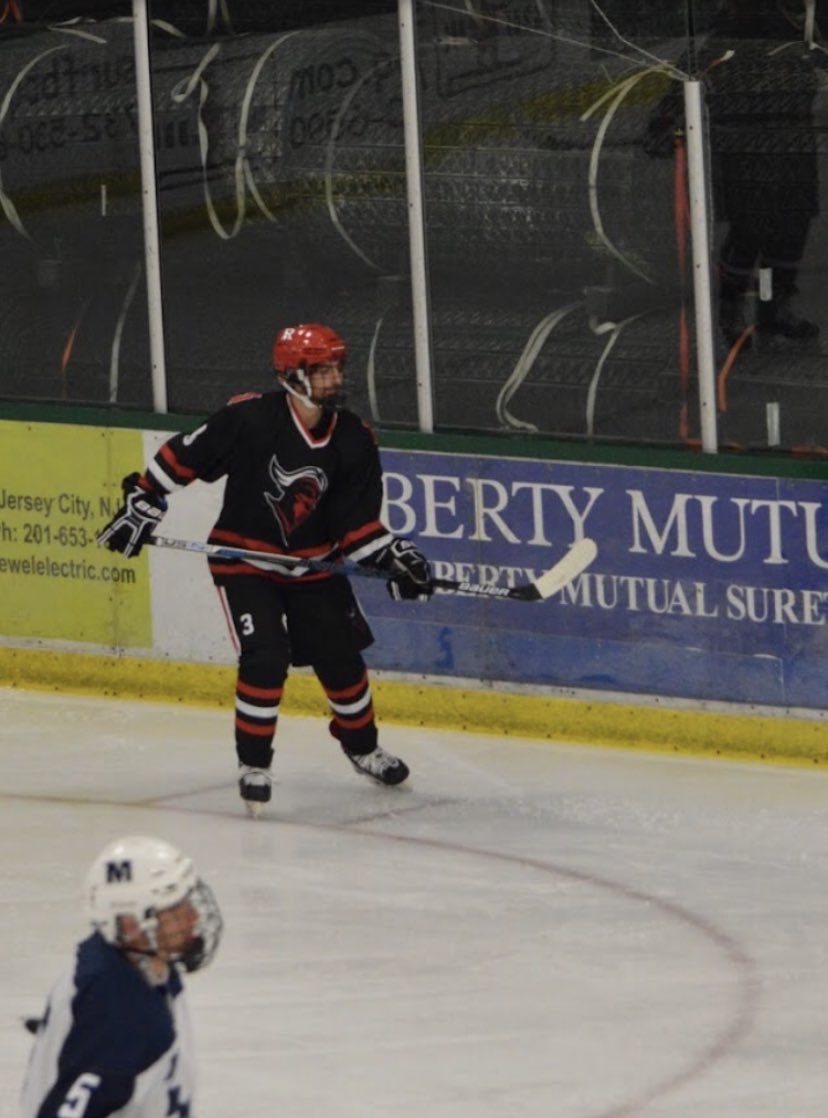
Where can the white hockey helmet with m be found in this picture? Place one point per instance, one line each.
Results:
(139, 877)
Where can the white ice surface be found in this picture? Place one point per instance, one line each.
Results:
(525, 930)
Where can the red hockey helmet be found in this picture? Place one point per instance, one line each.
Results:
(299, 348)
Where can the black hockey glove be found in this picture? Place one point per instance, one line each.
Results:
(136, 520)
(410, 573)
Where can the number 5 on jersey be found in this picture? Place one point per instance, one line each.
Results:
(78, 1095)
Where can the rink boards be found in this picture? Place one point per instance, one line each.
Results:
(708, 591)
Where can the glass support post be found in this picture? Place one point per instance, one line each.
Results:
(416, 216)
(149, 204)
(697, 168)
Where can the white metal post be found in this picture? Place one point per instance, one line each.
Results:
(416, 215)
(149, 199)
(701, 248)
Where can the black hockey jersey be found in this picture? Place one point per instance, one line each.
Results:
(313, 494)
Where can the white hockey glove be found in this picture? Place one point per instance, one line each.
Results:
(410, 573)
(136, 520)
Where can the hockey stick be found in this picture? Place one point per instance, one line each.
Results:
(576, 560)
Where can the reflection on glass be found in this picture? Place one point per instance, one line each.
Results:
(763, 68)
(761, 65)
(557, 281)
(282, 192)
(73, 323)
(556, 201)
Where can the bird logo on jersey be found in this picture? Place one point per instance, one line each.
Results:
(297, 493)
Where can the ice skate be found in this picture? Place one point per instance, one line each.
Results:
(254, 788)
(383, 767)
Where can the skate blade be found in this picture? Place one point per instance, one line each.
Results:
(254, 808)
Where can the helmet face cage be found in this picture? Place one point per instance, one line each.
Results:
(207, 933)
(299, 349)
(140, 877)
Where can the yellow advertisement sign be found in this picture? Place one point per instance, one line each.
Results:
(58, 487)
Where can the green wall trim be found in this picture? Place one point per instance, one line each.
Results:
(748, 463)
(759, 464)
(94, 416)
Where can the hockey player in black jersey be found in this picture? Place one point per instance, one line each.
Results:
(115, 1036)
(304, 480)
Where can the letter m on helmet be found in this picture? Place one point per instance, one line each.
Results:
(118, 871)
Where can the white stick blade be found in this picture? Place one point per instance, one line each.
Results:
(577, 559)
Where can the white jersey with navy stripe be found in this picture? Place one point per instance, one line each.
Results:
(111, 1044)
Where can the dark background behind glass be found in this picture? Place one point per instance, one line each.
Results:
(557, 236)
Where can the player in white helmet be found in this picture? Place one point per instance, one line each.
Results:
(115, 1035)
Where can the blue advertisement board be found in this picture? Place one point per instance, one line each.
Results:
(705, 586)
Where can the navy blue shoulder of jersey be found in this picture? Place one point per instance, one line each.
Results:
(120, 1021)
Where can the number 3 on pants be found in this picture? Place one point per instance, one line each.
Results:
(246, 621)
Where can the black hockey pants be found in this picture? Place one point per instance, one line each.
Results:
(274, 625)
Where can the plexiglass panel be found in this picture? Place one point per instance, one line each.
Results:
(556, 199)
(765, 71)
(282, 189)
(558, 241)
(73, 314)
